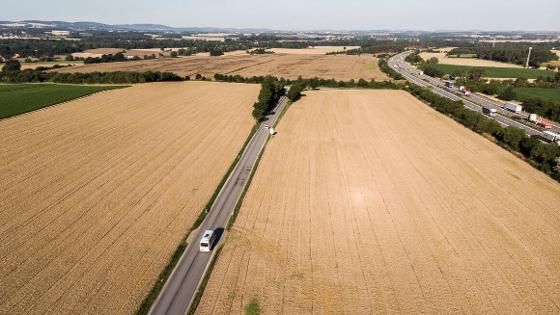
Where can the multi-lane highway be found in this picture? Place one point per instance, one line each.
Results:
(474, 102)
(180, 289)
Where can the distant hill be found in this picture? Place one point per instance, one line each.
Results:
(85, 25)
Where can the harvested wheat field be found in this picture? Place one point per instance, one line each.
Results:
(473, 62)
(315, 50)
(371, 202)
(290, 66)
(97, 193)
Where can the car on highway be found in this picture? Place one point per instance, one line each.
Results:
(207, 241)
(266, 126)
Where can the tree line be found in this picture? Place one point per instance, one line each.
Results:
(11, 73)
(271, 91)
(118, 57)
(543, 156)
(313, 83)
(384, 66)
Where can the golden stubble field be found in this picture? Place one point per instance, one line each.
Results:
(471, 62)
(97, 193)
(289, 66)
(315, 50)
(371, 202)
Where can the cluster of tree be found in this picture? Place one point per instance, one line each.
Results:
(516, 54)
(414, 58)
(507, 94)
(11, 66)
(384, 66)
(545, 157)
(216, 51)
(430, 70)
(296, 87)
(34, 76)
(259, 51)
(271, 91)
(118, 57)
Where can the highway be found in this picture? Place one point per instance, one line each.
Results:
(474, 102)
(180, 289)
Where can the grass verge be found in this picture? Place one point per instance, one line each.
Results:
(253, 308)
(551, 94)
(144, 308)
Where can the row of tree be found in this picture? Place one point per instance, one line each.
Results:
(545, 157)
(384, 66)
(118, 57)
(36, 76)
(313, 83)
(271, 91)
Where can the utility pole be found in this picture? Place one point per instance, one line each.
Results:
(528, 57)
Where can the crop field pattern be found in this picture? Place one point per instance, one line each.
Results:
(289, 66)
(97, 193)
(371, 202)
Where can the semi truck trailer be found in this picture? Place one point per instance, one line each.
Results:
(512, 107)
(540, 121)
(550, 136)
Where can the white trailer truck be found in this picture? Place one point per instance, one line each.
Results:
(516, 108)
(551, 137)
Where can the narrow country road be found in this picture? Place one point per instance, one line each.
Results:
(180, 289)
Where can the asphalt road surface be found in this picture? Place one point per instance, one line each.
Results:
(180, 289)
(473, 102)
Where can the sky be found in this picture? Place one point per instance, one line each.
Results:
(427, 15)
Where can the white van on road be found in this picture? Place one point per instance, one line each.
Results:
(207, 241)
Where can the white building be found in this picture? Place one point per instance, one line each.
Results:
(60, 33)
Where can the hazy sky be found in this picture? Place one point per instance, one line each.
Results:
(302, 14)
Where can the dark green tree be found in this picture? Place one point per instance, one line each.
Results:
(11, 66)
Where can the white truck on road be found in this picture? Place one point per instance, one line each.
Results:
(207, 241)
(550, 136)
(516, 108)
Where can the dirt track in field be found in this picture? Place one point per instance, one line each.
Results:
(290, 66)
(372, 202)
(97, 193)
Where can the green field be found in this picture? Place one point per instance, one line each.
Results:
(544, 93)
(492, 72)
(16, 99)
